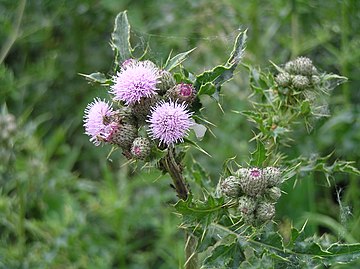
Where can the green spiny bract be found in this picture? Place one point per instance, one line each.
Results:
(123, 115)
(124, 136)
(142, 109)
(140, 148)
(230, 187)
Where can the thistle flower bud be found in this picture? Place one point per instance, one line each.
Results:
(166, 82)
(241, 172)
(265, 211)
(123, 135)
(230, 187)
(303, 66)
(283, 79)
(272, 175)
(290, 67)
(300, 82)
(247, 205)
(273, 193)
(253, 183)
(182, 93)
(140, 148)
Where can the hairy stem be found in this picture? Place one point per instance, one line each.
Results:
(175, 172)
(182, 190)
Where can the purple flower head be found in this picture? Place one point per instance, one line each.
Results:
(137, 79)
(96, 122)
(169, 122)
(255, 173)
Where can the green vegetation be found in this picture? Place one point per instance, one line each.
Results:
(64, 205)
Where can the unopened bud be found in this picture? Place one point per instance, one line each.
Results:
(247, 205)
(230, 187)
(289, 67)
(283, 79)
(273, 193)
(273, 176)
(124, 135)
(300, 82)
(265, 211)
(303, 66)
(182, 93)
(140, 148)
(166, 82)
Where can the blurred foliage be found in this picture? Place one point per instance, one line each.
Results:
(63, 205)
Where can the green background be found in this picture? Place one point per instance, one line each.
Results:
(64, 205)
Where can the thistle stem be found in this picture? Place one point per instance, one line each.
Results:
(182, 190)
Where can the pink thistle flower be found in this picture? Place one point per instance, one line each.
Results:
(137, 79)
(169, 122)
(96, 122)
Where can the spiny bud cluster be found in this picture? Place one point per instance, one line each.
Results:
(256, 191)
(146, 97)
(299, 74)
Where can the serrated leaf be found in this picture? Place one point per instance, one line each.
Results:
(177, 60)
(210, 75)
(225, 255)
(342, 253)
(208, 88)
(96, 78)
(204, 212)
(121, 37)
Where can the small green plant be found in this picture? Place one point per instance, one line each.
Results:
(155, 116)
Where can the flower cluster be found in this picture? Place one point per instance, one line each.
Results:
(298, 75)
(256, 191)
(146, 97)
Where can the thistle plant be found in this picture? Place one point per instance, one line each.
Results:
(153, 108)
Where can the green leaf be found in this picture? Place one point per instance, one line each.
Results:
(210, 75)
(177, 60)
(203, 212)
(259, 155)
(342, 253)
(227, 254)
(208, 88)
(121, 38)
(305, 107)
(96, 78)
